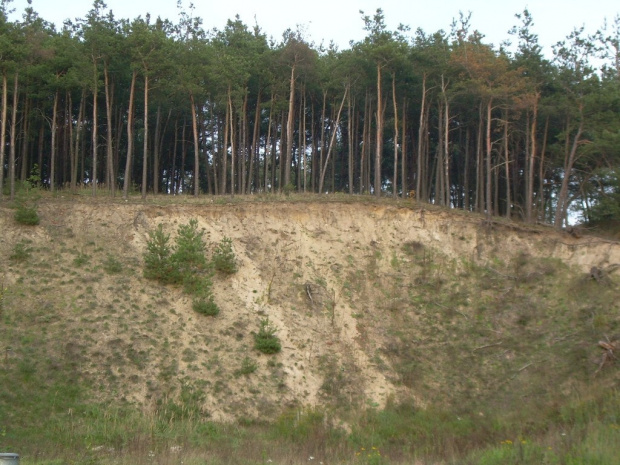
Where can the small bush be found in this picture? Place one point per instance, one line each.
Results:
(27, 215)
(206, 307)
(265, 340)
(224, 259)
(248, 366)
(157, 259)
(112, 265)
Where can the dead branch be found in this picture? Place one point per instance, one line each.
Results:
(487, 346)
(608, 353)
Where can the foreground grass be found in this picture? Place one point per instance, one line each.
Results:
(585, 432)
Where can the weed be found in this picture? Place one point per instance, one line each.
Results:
(21, 252)
(112, 266)
(81, 259)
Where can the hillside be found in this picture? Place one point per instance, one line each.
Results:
(376, 304)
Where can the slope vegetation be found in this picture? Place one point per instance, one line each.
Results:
(379, 307)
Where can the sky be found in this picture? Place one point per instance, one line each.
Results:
(323, 21)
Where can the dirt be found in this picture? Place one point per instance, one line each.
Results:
(316, 270)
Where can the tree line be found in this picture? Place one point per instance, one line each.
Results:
(155, 106)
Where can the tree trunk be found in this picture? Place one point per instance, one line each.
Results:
(183, 157)
(420, 173)
(302, 141)
(78, 139)
(254, 162)
(95, 136)
(395, 178)
(224, 153)
(232, 143)
(466, 200)
(196, 147)
(130, 118)
(379, 141)
(479, 201)
(350, 144)
(569, 162)
(110, 177)
(5, 92)
(530, 162)
(289, 128)
(25, 140)
(446, 144)
(541, 174)
(331, 142)
(489, 147)
(507, 168)
(322, 143)
(12, 147)
(244, 144)
(53, 143)
(403, 150)
(156, 151)
(266, 170)
(145, 150)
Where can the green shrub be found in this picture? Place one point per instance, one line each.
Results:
(27, 215)
(265, 340)
(205, 307)
(157, 259)
(189, 250)
(224, 259)
(27, 196)
(184, 264)
(248, 366)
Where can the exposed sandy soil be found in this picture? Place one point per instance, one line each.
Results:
(307, 266)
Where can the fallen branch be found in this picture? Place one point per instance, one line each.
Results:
(608, 354)
(487, 346)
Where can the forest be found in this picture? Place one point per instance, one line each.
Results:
(150, 106)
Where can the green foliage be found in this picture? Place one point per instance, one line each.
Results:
(607, 206)
(265, 340)
(21, 252)
(205, 307)
(157, 259)
(289, 189)
(27, 215)
(189, 252)
(26, 199)
(81, 259)
(248, 366)
(184, 264)
(224, 259)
